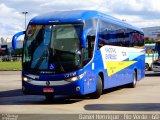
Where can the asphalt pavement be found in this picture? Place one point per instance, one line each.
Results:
(144, 99)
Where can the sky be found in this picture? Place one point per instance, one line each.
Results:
(140, 13)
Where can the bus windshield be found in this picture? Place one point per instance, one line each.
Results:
(149, 48)
(52, 48)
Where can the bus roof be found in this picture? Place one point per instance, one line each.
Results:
(77, 16)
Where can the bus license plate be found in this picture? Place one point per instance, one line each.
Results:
(48, 90)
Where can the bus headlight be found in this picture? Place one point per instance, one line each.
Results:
(26, 79)
(76, 77)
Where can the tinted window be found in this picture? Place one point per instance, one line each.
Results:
(113, 34)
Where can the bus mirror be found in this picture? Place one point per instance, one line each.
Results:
(84, 37)
(14, 39)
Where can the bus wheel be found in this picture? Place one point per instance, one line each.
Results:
(133, 84)
(98, 91)
(49, 97)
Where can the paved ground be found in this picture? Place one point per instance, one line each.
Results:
(145, 98)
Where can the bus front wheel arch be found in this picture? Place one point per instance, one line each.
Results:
(99, 88)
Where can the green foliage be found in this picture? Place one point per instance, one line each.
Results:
(17, 52)
(11, 65)
(149, 41)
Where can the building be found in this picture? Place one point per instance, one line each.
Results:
(152, 32)
(6, 47)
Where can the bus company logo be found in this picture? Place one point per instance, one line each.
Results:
(52, 66)
(110, 50)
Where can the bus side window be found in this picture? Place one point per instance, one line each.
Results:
(88, 51)
(91, 40)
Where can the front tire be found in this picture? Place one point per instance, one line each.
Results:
(99, 89)
(133, 84)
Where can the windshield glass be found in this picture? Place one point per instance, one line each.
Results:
(52, 48)
(149, 48)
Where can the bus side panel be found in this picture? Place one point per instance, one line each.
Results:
(125, 76)
(120, 78)
(138, 55)
(120, 64)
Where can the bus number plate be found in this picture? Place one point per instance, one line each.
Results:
(48, 90)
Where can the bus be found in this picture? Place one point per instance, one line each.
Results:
(80, 52)
(156, 62)
(149, 56)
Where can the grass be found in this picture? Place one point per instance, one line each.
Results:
(11, 65)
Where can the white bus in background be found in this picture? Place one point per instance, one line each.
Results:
(149, 56)
(156, 62)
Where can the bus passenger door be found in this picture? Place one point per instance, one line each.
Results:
(89, 82)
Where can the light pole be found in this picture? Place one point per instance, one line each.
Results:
(25, 13)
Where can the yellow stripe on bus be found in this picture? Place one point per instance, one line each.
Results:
(114, 67)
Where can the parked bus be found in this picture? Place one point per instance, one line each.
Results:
(149, 56)
(80, 52)
(156, 62)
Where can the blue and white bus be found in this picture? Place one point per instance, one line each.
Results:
(80, 52)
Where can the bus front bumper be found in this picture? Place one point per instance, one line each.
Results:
(72, 88)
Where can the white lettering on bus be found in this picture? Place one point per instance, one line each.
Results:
(110, 50)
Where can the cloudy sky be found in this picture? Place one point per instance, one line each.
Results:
(141, 13)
